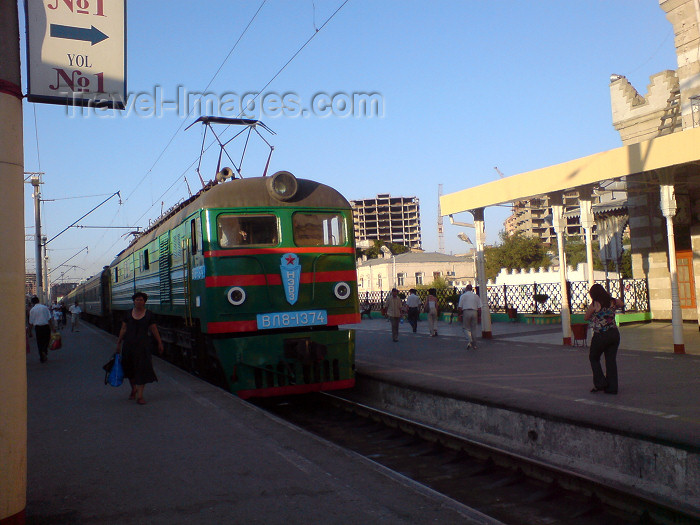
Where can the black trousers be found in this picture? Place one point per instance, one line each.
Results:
(413, 314)
(43, 336)
(605, 343)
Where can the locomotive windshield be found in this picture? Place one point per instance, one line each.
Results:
(318, 229)
(244, 230)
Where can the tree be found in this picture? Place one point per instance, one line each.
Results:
(575, 248)
(439, 283)
(626, 259)
(515, 251)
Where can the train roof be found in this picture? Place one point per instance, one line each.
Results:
(241, 193)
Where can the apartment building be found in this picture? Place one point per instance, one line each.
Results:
(387, 218)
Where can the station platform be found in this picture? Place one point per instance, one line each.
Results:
(192, 454)
(528, 390)
(527, 366)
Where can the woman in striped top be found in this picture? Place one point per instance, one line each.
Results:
(606, 338)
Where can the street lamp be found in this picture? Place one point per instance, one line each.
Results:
(464, 237)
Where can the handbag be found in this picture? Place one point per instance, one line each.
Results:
(55, 341)
(114, 373)
(108, 368)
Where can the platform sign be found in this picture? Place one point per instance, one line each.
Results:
(76, 52)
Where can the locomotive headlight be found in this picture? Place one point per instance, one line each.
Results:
(282, 185)
(236, 296)
(342, 290)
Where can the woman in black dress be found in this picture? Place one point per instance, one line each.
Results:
(136, 351)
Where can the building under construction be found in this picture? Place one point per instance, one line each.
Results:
(387, 218)
(533, 217)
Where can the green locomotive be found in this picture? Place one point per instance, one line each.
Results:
(250, 280)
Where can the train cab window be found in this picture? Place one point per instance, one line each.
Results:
(246, 230)
(318, 229)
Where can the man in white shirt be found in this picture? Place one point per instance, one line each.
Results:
(469, 304)
(40, 319)
(414, 303)
(75, 311)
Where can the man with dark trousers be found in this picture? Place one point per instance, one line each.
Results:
(40, 319)
(414, 303)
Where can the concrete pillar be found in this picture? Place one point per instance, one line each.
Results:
(668, 208)
(481, 272)
(13, 366)
(587, 222)
(559, 223)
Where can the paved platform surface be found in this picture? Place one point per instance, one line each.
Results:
(526, 367)
(194, 454)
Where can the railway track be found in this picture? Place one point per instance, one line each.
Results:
(509, 488)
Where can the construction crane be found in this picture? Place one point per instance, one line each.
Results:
(440, 225)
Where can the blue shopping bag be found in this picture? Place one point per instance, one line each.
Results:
(116, 374)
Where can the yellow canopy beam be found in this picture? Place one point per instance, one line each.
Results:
(662, 152)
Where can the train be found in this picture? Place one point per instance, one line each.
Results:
(250, 281)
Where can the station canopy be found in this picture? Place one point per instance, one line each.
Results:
(671, 155)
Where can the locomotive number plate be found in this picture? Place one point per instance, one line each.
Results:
(292, 319)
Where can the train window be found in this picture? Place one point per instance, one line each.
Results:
(146, 262)
(318, 229)
(193, 235)
(246, 230)
(116, 274)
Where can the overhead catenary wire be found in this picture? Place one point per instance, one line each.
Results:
(272, 79)
(184, 172)
(77, 197)
(661, 45)
(317, 30)
(160, 155)
(294, 56)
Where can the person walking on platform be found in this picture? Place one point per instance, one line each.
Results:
(469, 305)
(136, 348)
(75, 311)
(392, 306)
(40, 318)
(414, 303)
(64, 314)
(606, 338)
(56, 314)
(431, 307)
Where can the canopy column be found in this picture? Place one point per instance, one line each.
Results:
(559, 223)
(587, 221)
(668, 208)
(481, 272)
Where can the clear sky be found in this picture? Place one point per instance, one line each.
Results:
(464, 86)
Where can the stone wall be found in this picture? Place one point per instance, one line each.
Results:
(637, 118)
(685, 17)
(548, 275)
